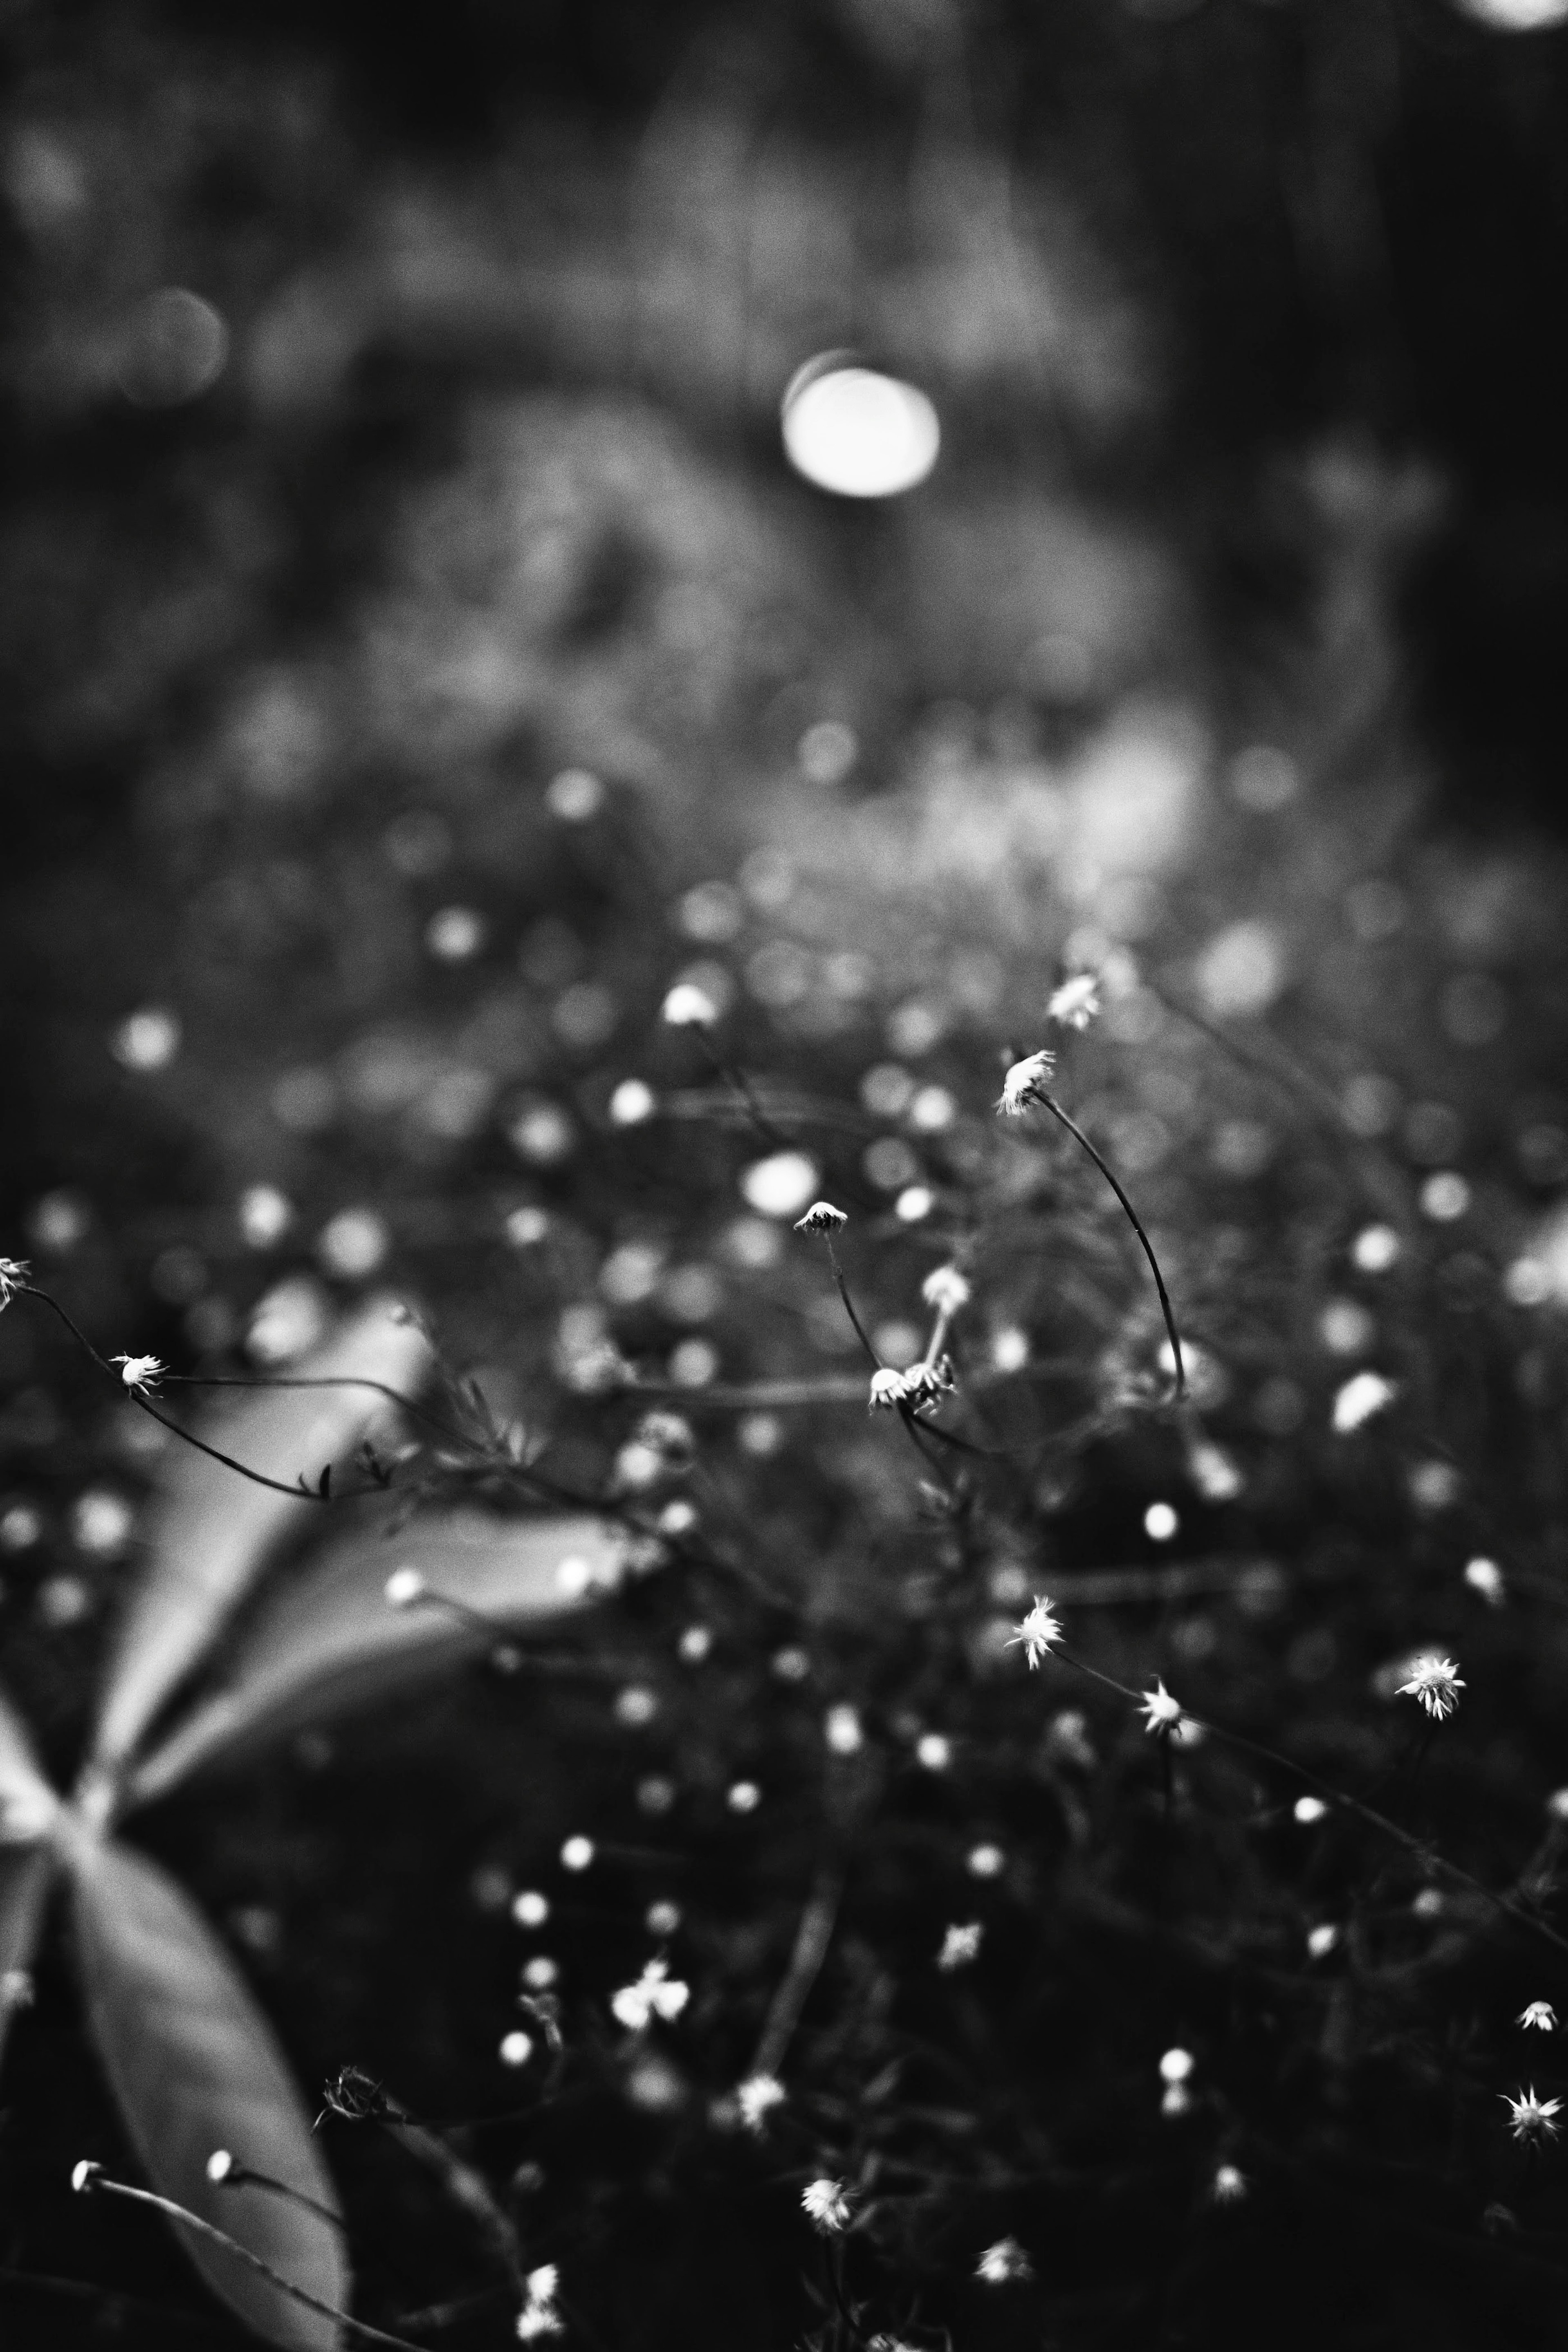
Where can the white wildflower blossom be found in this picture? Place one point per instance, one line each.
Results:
(84, 2174)
(1435, 1683)
(1025, 1083)
(1539, 2013)
(946, 1289)
(539, 2315)
(14, 1272)
(1322, 1940)
(1076, 1002)
(1037, 1632)
(1485, 1576)
(1161, 1712)
(842, 1730)
(827, 2206)
(1229, 2185)
(960, 1945)
(141, 1374)
(655, 1994)
(928, 1383)
(1532, 2118)
(220, 2164)
(1001, 2265)
(888, 1390)
(402, 1588)
(755, 2098)
(687, 1006)
(1363, 1396)
(821, 1217)
(1176, 2065)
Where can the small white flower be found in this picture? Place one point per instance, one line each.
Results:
(577, 1853)
(1532, 2118)
(843, 1732)
(1161, 1712)
(1076, 1002)
(402, 1588)
(687, 1006)
(220, 2164)
(1540, 2013)
(1176, 2065)
(1001, 2265)
(821, 1217)
(516, 2048)
(1038, 1632)
(926, 1383)
(14, 1272)
(934, 1750)
(1435, 1683)
(960, 1945)
(1308, 1810)
(1485, 1576)
(946, 1289)
(1025, 1083)
(1322, 1940)
(1363, 1396)
(888, 1390)
(827, 2206)
(1229, 2185)
(755, 2098)
(539, 2315)
(141, 1374)
(655, 1994)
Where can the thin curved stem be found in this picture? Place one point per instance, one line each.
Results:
(1054, 1107)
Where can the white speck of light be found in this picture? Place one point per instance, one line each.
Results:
(849, 428)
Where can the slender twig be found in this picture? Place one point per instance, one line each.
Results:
(100, 2182)
(812, 1940)
(1054, 1107)
(860, 1329)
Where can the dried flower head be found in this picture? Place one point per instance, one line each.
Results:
(946, 1289)
(827, 2206)
(1530, 2117)
(1539, 2013)
(1038, 1632)
(1435, 1683)
(1003, 2264)
(926, 1384)
(1025, 1083)
(821, 1217)
(14, 1272)
(1161, 1712)
(1076, 1002)
(141, 1374)
(757, 2098)
(888, 1390)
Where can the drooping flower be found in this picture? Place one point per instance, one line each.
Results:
(1038, 1632)
(1025, 1083)
(1435, 1683)
(1539, 2013)
(1530, 2117)
(888, 1390)
(827, 2206)
(821, 1217)
(757, 2098)
(1004, 2263)
(1076, 1002)
(141, 1374)
(1161, 1712)
(655, 1994)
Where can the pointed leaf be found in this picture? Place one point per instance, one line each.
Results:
(328, 1639)
(212, 1532)
(25, 1872)
(195, 2068)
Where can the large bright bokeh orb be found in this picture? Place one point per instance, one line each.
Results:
(1517, 16)
(851, 429)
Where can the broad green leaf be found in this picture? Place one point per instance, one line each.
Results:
(213, 1531)
(195, 2068)
(328, 1639)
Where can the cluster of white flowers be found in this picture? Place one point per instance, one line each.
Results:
(539, 2315)
(655, 1994)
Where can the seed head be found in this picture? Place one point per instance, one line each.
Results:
(1025, 1083)
(1038, 1632)
(654, 1994)
(1435, 1683)
(821, 1217)
(926, 1384)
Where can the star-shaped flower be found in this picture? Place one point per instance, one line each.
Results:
(1161, 1712)
(1025, 1083)
(1038, 1632)
(1532, 2118)
(141, 1374)
(1435, 1683)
